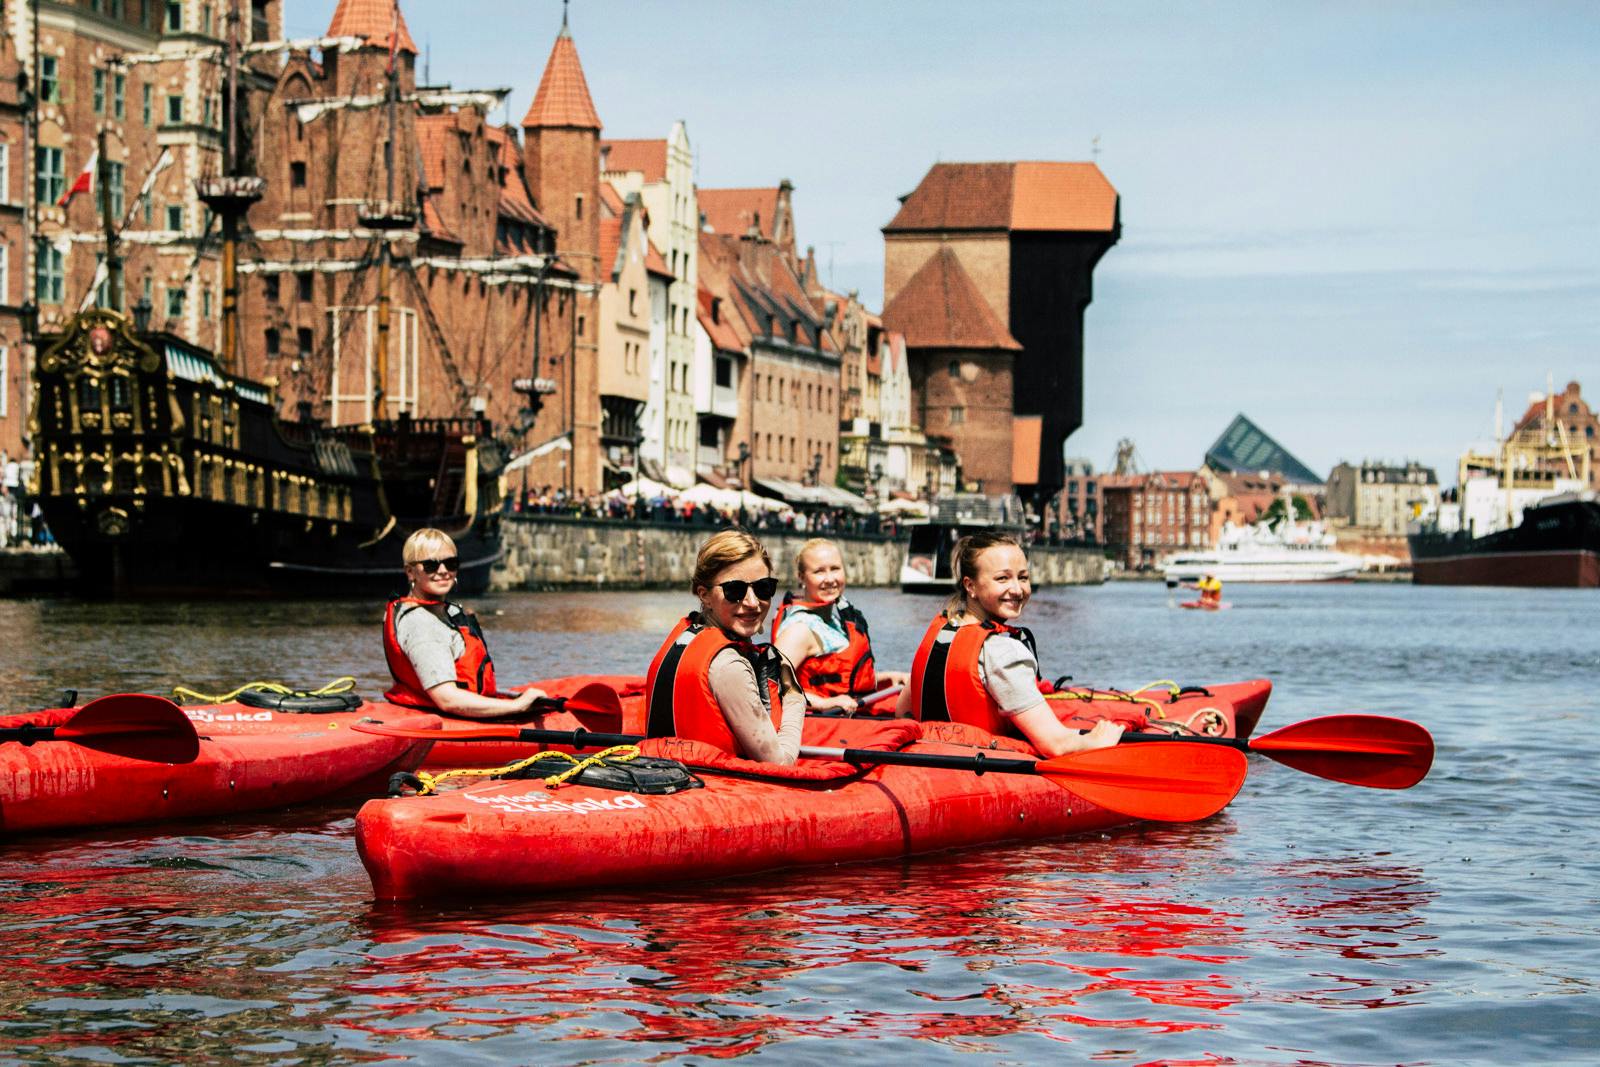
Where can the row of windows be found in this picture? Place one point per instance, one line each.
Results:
(817, 398)
(782, 450)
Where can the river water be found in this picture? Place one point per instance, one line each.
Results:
(1310, 922)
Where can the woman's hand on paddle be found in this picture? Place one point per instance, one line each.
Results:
(1103, 735)
(525, 699)
(842, 702)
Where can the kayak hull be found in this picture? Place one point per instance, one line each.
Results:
(521, 837)
(249, 760)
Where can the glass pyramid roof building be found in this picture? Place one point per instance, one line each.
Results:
(1245, 448)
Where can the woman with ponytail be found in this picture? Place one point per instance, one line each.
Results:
(976, 666)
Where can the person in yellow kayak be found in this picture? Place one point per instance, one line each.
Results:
(976, 666)
(435, 648)
(825, 636)
(711, 681)
(1210, 591)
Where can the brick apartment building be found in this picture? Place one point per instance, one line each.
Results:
(1150, 516)
(14, 392)
(789, 401)
(1080, 509)
(1574, 422)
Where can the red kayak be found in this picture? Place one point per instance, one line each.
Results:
(1205, 605)
(231, 759)
(710, 815)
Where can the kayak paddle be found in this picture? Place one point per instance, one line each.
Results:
(596, 697)
(135, 725)
(1375, 751)
(879, 696)
(1174, 783)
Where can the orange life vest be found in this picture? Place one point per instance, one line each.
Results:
(474, 668)
(946, 684)
(679, 701)
(849, 670)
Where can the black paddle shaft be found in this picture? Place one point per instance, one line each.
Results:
(27, 733)
(1226, 742)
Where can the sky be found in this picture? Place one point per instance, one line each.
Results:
(1356, 223)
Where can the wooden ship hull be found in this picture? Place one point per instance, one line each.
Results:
(160, 474)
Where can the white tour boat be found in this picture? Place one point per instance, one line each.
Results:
(1293, 552)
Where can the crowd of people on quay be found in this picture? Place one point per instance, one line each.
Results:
(21, 521)
(769, 516)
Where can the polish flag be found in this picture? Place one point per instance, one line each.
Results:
(84, 182)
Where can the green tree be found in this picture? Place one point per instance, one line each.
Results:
(1274, 513)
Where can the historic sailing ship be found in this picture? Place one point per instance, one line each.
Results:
(160, 469)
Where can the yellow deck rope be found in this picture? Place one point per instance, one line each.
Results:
(338, 685)
(621, 753)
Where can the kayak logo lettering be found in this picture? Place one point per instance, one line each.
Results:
(539, 804)
(207, 715)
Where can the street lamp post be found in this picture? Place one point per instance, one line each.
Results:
(744, 481)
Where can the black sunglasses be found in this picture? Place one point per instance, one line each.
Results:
(736, 589)
(430, 566)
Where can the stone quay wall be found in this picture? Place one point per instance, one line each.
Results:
(546, 552)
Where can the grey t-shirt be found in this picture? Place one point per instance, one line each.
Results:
(1010, 672)
(430, 644)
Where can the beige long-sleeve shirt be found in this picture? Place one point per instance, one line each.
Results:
(733, 681)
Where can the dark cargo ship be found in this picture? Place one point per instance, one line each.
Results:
(1556, 544)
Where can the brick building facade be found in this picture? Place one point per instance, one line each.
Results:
(1568, 418)
(1150, 516)
(14, 391)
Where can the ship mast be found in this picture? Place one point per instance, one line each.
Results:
(230, 196)
(389, 215)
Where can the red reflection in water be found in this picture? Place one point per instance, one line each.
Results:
(1074, 942)
(734, 969)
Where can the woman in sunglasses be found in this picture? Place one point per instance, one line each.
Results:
(435, 648)
(711, 682)
(825, 636)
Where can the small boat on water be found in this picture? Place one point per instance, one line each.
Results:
(925, 567)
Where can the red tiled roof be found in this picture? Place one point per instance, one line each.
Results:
(1051, 197)
(610, 198)
(653, 261)
(610, 242)
(733, 211)
(940, 307)
(432, 137)
(722, 333)
(515, 201)
(647, 157)
(563, 95)
(372, 19)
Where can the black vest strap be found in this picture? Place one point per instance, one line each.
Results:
(935, 703)
(661, 722)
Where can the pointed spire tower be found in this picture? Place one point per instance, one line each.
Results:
(372, 20)
(561, 151)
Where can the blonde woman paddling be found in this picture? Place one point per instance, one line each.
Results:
(434, 647)
(710, 681)
(975, 666)
(825, 636)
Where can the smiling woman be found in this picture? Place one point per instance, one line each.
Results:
(710, 682)
(975, 666)
(435, 648)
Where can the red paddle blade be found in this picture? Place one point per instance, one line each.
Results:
(1176, 782)
(136, 725)
(466, 733)
(1371, 750)
(597, 698)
